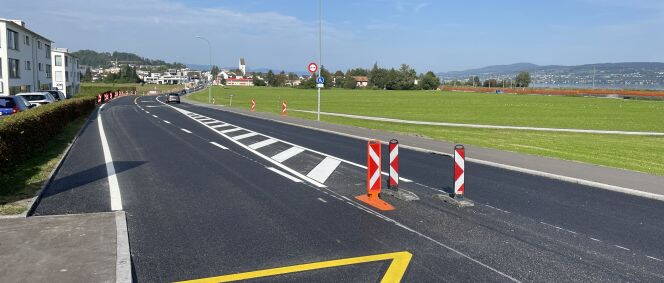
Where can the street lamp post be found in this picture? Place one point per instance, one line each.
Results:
(210, 52)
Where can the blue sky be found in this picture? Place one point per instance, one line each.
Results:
(427, 34)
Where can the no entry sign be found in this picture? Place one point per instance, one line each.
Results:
(312, 67)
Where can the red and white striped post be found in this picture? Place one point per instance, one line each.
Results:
(98, 98)
(253, 105)
(459, 169)
(374, 176)
(394, 165)
(284, 108)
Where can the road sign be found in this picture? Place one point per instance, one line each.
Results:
(253, 105)
(320, 80)
(459, 168)
(320, 85)
(312, 67)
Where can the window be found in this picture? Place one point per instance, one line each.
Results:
(39, 44)
(58, 76)
(0, 71)
(58, 60)
(40, 66)
(14, 69)
(48, 71)
(48, 51)
(12, 39)
(66, 75)
(28, 66)
(66, 61)
(27, 40)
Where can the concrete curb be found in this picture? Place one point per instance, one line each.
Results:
(594, 184)
(123, 256)
(35, 200)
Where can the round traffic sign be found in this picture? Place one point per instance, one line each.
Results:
(320, 80)
(313, 67)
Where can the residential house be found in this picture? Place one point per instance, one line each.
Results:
(25, 59)
(361, 81)
(66, 74)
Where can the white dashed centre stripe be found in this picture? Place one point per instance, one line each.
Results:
(186, 131)
(324, 169)
(263, 143)
(218, 145)
(287, 154)
(247, 135)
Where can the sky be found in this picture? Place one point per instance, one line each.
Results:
(426, 34)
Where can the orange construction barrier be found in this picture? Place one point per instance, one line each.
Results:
(374, 178)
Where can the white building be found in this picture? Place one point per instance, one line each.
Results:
(66, 76)
(243, 67)
(25, 59)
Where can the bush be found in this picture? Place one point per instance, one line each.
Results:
(26, 133)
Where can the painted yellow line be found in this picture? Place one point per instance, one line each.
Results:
(394, 273)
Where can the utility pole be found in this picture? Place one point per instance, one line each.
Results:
(594, 72)
(320, 49)
(210, 53)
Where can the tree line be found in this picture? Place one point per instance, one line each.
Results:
(523, 79)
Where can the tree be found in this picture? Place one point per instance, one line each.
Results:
(214, 71)
(270, 79)
(429, 81)
(378, 77)
(523, 79)
(490, 83)
(87, 77)
(349, 82)
(258, 81)
(476, 81)
(327, 76)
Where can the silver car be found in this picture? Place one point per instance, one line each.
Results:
(173, 97)
(37, 98)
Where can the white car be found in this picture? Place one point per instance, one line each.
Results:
(37, 98)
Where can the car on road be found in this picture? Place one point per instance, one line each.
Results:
(173, 97)
(58, 95)
(13, 104)
(37, 98)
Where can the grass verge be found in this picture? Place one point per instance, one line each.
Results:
(25, 180)
(638, 153)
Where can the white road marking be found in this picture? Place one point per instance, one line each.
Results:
(596, 240)
(657, 259)
(220, 126)
(559, 228)
(218, 145)
(247, 135)
(155, 116)
(213, 122)
(321, 199)
(167, 122)
(151, 106)
(621, 247)
(505, 211)
(113, 186)
(284, 174)
(324, 169)
(230, 130)
(205, 119)
(263, 143)
(286, 154)
(186, 131)
(147, 112)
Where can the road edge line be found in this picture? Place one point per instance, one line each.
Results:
(37, 198)
(113, 186)
(122, 254)
(633, 192)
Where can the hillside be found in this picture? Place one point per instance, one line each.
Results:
(103, 59)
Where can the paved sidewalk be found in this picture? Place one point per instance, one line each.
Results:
(636, 183)
(71, 248)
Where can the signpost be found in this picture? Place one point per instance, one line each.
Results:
(320, 82)
(312, 68)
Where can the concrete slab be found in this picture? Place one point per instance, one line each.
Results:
(68, 248)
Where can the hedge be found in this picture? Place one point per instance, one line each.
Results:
(26, 133)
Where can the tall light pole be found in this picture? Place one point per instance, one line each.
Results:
(210, 50)
(320, 48)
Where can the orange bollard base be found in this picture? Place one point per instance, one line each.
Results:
(375, 202)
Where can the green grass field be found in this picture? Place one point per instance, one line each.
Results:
(645, 154)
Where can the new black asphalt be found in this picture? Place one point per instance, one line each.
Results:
(195, 210)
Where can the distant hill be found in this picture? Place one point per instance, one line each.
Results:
(627, 74)
(104, 59)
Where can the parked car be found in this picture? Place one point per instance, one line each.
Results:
(58, 95)
(173, 97)
(38, 98)
(13, 104)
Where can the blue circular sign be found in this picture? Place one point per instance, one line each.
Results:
(320, 80)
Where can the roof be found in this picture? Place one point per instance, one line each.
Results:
(361, 78)
(21, 24)
(240, 80)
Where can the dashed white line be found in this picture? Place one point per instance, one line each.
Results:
(167, 122)
(284, 174)
(559, 228)
(596, 240)
(186, 131)
(155, 116)
(113, 186)
(324, 169)
(247, 135)
(621, 247)
(657, 259)
(501, 210)
(263, 143)
(321, 199)
(218, 145)
(287, 154)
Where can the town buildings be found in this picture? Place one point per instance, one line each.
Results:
(25, 59)
(66, 75)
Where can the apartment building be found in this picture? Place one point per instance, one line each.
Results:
(66, 74)
(25, 59)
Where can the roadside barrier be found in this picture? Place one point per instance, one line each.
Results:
(99, 98)
(284, 108)
(459, 168)
(374, 178)
(393, 182)
(253, 105)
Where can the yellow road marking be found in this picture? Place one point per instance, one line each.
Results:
(394, 273)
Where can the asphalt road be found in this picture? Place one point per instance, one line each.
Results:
(210, 193)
